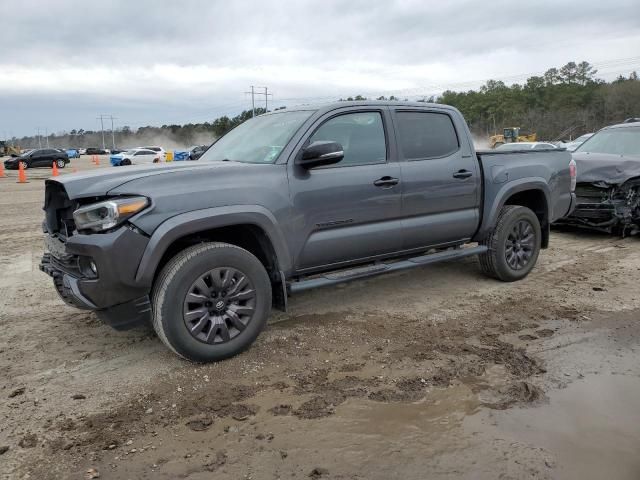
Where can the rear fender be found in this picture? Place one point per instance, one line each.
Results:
(492, 209)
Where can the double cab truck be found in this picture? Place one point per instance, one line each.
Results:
(288, 201)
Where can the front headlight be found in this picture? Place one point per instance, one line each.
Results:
(105, 215)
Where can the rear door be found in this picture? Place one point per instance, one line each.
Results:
(349, 211)
(144, 156)
(441, 178)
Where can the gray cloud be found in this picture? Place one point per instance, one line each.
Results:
(172, 61)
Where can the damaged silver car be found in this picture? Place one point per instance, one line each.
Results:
(608, 181)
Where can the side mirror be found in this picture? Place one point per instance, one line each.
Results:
(320, 153)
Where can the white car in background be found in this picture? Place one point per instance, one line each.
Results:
(160, 150)
(135, 156)
(510, 147)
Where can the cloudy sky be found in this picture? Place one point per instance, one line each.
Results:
(64, 62)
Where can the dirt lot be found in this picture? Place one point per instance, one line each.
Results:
(434, 373)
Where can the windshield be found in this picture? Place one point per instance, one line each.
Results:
(615, 141)
(583, 138)
(258, 140)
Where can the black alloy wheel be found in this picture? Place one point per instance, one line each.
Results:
(219, 305)
(520, 245)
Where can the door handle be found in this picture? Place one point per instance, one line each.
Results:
(386, 181)
(462, 174)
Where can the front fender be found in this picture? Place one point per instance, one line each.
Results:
(206, 219)
(501, 193)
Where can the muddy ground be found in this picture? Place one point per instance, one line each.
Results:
(434, 373)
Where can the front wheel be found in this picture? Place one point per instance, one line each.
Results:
(24, 164)
(514, 244)
(211, 301)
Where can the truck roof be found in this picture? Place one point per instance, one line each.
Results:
(363, 103)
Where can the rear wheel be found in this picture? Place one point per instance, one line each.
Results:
(61, 163)
(514, 244)
(211, 301)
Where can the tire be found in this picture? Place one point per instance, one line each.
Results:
(503, 243)
(172, 313)
(61, 163)
(125, 162)
(25, 165)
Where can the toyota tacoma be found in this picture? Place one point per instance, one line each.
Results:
(288, 201)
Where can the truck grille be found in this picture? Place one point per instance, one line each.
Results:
(58, 210)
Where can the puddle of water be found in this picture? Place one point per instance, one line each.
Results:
(592, 427)
(441, 410)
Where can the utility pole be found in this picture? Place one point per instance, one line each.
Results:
(101, 118)
(38, 135)
(46, 135)
(253, 99)
(113, 135)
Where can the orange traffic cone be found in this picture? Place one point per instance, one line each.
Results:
(75, 170)
(97, 160)
(22, 177)
(2, 175)
(55, 172)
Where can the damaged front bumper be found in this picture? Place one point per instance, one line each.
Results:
(607, 208)
(110, 290)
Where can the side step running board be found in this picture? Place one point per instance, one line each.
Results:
(334, 278)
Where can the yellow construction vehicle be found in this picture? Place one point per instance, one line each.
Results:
(6, 149)
(511, 135)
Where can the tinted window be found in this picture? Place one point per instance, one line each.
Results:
(360, 134)
(426, 135)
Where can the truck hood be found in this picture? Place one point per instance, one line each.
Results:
(600, 168)
(99, 183)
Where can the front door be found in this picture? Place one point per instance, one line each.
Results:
(351, 210)
(441, 178)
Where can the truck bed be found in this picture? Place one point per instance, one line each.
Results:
(546, 169)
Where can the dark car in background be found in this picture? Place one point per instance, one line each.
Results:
(608, 181)
(41, 157)
(95, 151)
(196, 152)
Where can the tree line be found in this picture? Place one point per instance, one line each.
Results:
(559, 105)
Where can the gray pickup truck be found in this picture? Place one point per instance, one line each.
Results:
(293, 200)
